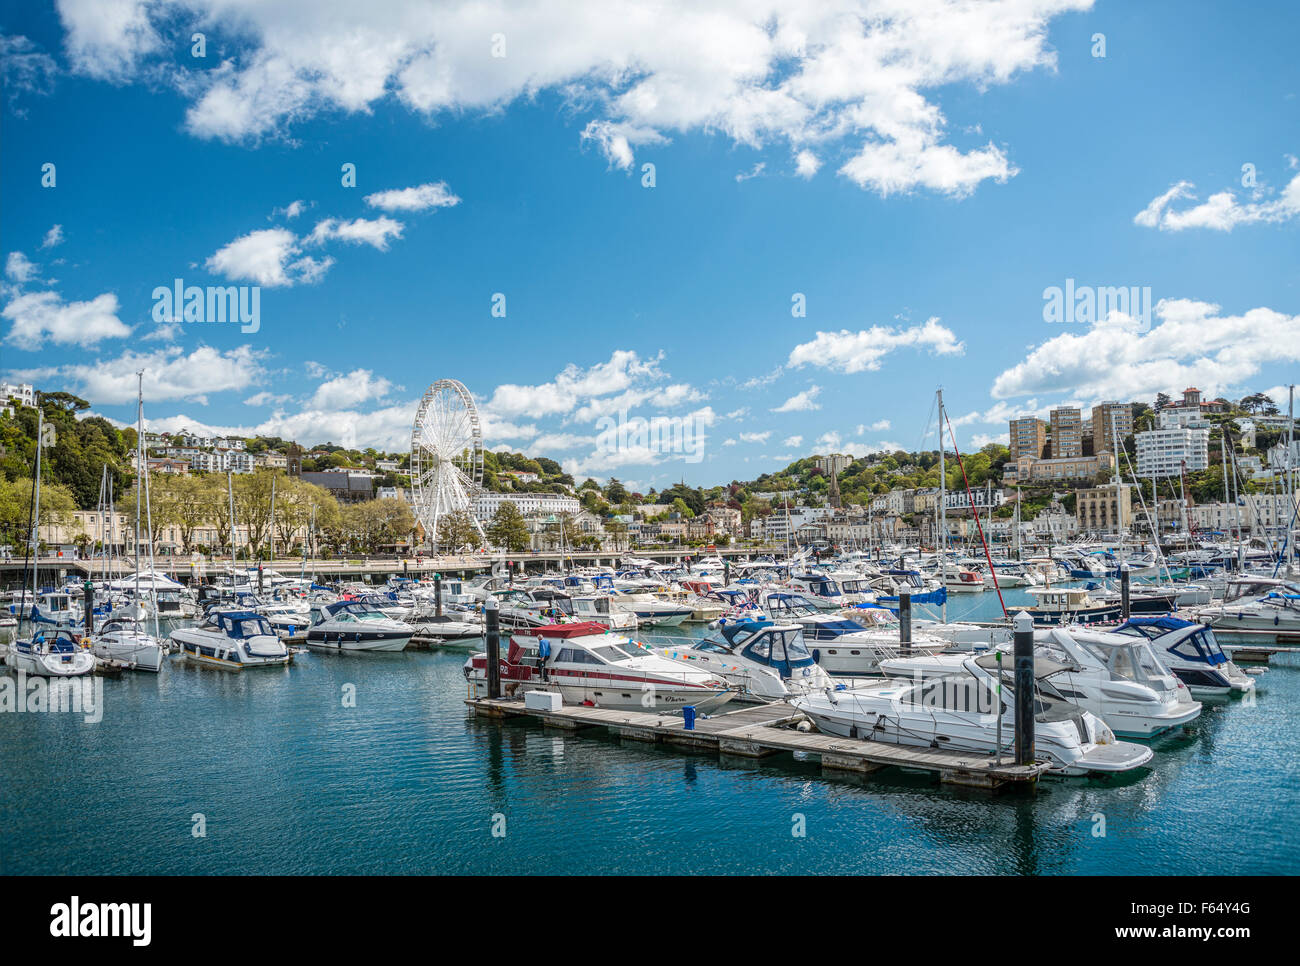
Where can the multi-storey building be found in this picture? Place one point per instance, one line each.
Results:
(1067, 432)
(487, 504)
(833, 465)
(1112, 423)
(1101, 509)
(1028, 437)
(1167, 452)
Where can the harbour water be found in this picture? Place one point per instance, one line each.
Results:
(284, 774)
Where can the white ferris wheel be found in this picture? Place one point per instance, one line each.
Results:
(446, 457)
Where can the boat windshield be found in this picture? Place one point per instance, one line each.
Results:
(610, 654)
(1201, 645)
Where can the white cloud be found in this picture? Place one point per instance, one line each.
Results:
(420, 198)
(292, 210)
(880, 424)
(792, 441)
(1219, 212)
(806, 163)
(860, 77)
(268, 257)
(755, 437)
(53, 237)
(801, 402)
(583, 392)
(41, 316)
(1193, 344)
(980, 440)
(20, 268)
(350, 390)
(375, 232)
(24, 69)
(267, 398)
(753, 172)
(850, 352)
(169, 373)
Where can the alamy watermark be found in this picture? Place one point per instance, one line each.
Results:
(34, 694)
(1086, 304)
(214, 303)
(658, 436)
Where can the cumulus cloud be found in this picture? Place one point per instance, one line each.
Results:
(801, 402)
(39, 317)
(271, 257)
(420, 198)
(792, 441)
(1193, 344)
(1221, 211)
(350, 390)
(755, 437)
(375, 232)
(20, 268)
(860, 351)
(53, 237)
(169, 373)
(849, 75)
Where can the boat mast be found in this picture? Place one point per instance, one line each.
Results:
(36, 512)
(230, 489)
(943, 517)
(148, 509)
(1289, 488)
(140, 482)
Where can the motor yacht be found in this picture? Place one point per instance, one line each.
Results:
(1069, 605)
(350, 625)
(960, 712)
(844, 645)
(769, 662)
(232, 639)
(651, 611)
(1275, 612)
(1121, 681)
(1191, 651)
(600, 608)
(588, 665)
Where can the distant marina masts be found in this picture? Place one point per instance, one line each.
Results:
(446, 458)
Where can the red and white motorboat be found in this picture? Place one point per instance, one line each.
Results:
(588, 665)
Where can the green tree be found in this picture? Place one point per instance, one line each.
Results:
(508, 530)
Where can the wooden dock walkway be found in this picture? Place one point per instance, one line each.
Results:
(756, 732)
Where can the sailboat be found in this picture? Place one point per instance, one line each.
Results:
(47, 653)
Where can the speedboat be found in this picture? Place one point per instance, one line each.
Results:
(963, 582)
(589, 666)
(651, 611)
(960, 712)
(232, 639)
(348, 625)
(455, 629)
(50, 654)
(769, 661)
(849, 645)
(1191, 651)
(1276, 612)
(1121, 681)
(120, 639)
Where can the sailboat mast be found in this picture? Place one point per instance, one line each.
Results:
(36, 504)
(943, 517)
(230, 489)
(1289, 489)
(140, 481)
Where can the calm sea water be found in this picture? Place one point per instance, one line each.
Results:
(289, 780)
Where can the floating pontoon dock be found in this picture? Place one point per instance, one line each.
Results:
(757, 732)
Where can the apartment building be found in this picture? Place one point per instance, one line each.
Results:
(1100, 509)
(1067, 432)
(1029, 470)
(833, 465)
(1028, 437)
(1165, 452)
(1112, 423)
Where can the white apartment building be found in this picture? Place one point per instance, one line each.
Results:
(487, 504)
(1163, 452)
(1181, 419)
(985, 499)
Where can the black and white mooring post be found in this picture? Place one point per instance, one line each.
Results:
(1024, 653)
(89, 589)
(437, 595)
(1123, 591)
(905, 623)
(492, 628)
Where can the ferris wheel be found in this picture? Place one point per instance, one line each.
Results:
(446, 456)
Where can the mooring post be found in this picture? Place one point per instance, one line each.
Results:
(437, 595)
(259, 580)
(1123, 590)
(492, 629)
(1024, 652)
(89, 590)
(905, 623)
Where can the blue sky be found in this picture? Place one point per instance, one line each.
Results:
(920, 180)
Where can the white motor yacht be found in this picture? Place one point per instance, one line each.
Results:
(232, 639)
(349, 625)
(768, 661)
(1119, 678)
(651, 611)
(960, 712)
(844, 645)
(588, 665)
(1192, 653)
